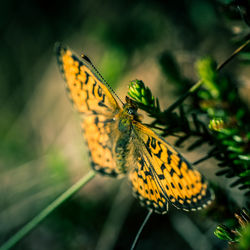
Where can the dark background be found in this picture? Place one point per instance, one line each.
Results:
(41, 147)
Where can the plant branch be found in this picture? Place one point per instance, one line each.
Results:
(199, 83)
(140, 229)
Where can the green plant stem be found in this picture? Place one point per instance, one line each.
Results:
(47, 211)
(140, 229)
(199, 83)
(239, 49)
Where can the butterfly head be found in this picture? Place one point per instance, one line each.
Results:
(130, 109)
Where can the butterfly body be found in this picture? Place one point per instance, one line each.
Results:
(121, 148)
(119, 143)
(125, 119)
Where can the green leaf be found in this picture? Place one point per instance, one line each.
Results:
(206, 68)
(244, 157)
(142, 94)
(224, 233)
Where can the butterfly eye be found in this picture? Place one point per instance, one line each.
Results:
(131, 112)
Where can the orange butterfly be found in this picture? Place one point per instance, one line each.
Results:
(119, 143)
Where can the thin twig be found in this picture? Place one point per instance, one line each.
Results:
(47, 211)
(199, 83)
(140, 230)
(233, 55)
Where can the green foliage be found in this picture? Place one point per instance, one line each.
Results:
(244, 240)
(224, 233)
(240, 235)
(206, 68)
(143, 96)
(219, 98)
(113, 63)
(216, 124)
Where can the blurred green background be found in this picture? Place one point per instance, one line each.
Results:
(42, 151)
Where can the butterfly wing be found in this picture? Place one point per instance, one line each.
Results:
(87, 92)
(162, 175)
(101, 134)
(146, 188)
(93, 99)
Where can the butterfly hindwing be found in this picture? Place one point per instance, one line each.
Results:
(174, 177)
(145, 188)
(101, 134)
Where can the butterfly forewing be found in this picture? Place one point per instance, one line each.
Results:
(87, 92)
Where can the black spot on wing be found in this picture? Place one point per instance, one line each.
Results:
(93, 89)
(148, 146)
(141, 177)
(99, 91)
(161, 177)
(87, 77)
(163, 166)
(148, 173)
(172, 172)
(96, 120)
(101, 104)
(87, 97)
(169, 156)
(153, 142)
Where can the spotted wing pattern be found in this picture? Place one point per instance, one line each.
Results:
(162, 175)
(92, 99)
(146, 188)
(87, 92)
(101, 135)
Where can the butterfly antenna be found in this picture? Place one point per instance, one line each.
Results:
(99, 74)
(140, 229)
